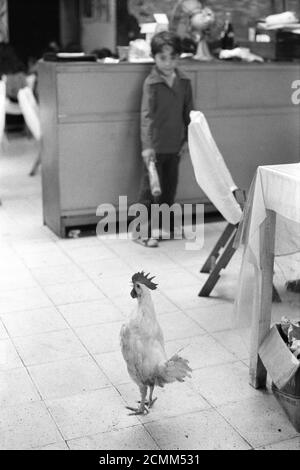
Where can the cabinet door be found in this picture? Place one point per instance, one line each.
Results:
(99, 161)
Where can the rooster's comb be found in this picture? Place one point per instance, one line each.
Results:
(144, 279)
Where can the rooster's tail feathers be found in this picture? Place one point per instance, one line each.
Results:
(174, 369)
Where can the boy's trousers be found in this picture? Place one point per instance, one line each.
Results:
(168, 169)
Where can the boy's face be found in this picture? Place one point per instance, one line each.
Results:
(166, 61)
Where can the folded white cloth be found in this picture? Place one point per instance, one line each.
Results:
(242, 53)
(210, 170)
(282, 18)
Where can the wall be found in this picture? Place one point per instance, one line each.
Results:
(244, 12)
(3, 21)
(69, 22)
(97, 33)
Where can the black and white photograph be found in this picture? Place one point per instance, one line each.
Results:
(149, 228)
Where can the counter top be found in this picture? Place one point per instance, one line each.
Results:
(189, 64)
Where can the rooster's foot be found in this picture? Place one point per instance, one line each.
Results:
(150, 403)
(138, 411)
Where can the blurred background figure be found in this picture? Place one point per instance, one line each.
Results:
(128, 28)
(10, 63)
(3, 22)
(13, 71)
(103, 53)
(180, 22)
(191, 20)
(53, 46)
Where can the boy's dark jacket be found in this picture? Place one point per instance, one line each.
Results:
(165, 112)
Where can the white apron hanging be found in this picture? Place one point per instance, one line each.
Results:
(210, 170)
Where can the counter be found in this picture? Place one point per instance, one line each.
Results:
(90, 124)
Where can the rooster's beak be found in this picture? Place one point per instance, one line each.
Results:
(133, 293)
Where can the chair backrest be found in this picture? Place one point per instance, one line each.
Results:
(30, 111)
(2, 108)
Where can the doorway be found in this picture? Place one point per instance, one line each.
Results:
(33, 24)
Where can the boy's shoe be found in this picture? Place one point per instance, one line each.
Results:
(147, 242)
(176, 234)
(293, 286)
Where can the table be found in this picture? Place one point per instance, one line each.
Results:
(270, 227)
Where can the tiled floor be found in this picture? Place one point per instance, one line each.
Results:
(63, 381)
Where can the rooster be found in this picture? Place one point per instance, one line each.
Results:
(142, 345)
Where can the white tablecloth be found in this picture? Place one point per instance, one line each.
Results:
(275, 188)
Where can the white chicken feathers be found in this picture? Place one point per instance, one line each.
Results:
(142, 345)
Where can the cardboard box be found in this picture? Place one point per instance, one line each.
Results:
(281, 46)
(277, 358)
(289, 402)
(284, 369)
(266, 50)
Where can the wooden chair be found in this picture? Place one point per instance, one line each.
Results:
(222, 253)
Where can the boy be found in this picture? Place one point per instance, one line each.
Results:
(166, 105)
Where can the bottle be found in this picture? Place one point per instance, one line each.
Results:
(227, 35)
(154, 179)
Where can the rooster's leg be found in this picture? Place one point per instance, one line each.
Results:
(151, 399)
(149, 403)
(142, 408)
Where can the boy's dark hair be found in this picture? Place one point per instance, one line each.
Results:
(165, 38)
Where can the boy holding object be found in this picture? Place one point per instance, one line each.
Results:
(166, 105)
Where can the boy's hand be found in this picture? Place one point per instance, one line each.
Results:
(148, 156)
(184, 149)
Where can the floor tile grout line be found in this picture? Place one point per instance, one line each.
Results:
(15, 347)
(182, 310)
(55, 330)
(211, 408)
(42, 287)
(42, 401)
(80, 268)
(91, 279)
(278, 443)
(236, 428)
(190, 308)
(137, 425)
(232, 426)
(111, 386)
(79, 393)
(98, 287)
(88, 353)
(64, 252)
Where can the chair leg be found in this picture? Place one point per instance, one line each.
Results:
(4, 142)
(37, 161)
(214, 254)
(275, 296)
(221, 264)
(35, 165)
